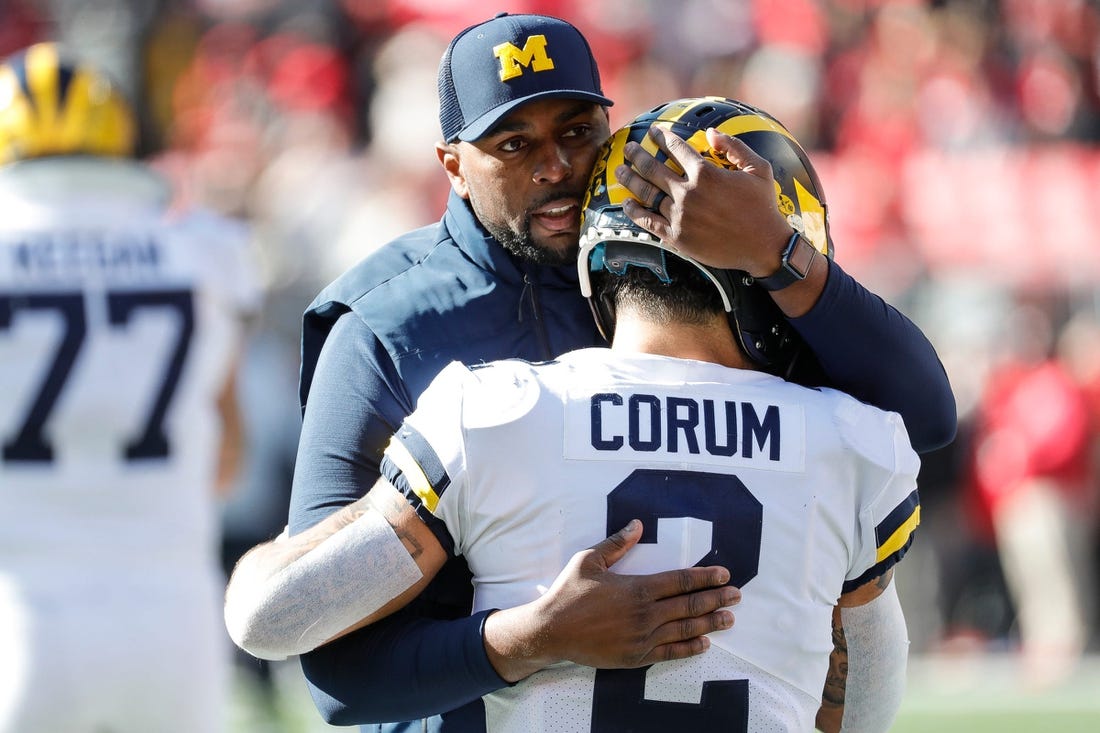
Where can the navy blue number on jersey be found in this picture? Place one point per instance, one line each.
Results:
(153, 443)
(619, 703)
(29, 443)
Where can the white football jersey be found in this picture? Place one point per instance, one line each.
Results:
(801, 493)
(119, 319)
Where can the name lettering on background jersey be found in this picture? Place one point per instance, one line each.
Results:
(513, 59)
(673, 429)
(67, 255)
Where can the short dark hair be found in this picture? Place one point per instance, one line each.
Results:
(689, 298)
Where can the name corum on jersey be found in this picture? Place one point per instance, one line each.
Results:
(649, 423)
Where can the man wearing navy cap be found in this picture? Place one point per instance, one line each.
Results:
(488, 71)
(523, 115)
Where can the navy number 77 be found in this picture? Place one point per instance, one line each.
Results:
(29, 443)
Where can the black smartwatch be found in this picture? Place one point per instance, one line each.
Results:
(798, 257)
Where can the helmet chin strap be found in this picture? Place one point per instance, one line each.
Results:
(603, 312)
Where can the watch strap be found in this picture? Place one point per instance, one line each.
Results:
(797, 259)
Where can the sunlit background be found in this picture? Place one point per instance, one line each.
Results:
(957, 143)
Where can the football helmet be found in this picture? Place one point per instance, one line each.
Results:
(52, 106)
(611, 241)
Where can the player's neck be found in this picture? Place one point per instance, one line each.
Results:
(712, 342)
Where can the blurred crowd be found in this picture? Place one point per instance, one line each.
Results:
(957, 141)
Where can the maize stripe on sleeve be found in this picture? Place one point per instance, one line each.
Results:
(424, 472)
(399, 479)
(893, 532)
(893, 535)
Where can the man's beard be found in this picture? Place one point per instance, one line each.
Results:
(522, 245)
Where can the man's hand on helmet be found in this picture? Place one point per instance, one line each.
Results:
(723, 215)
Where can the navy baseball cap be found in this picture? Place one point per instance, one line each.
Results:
(491, 68)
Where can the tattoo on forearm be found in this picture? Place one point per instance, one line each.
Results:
(836, 679)
(412, 544)
(348, 515)
(390, 507)
(394, 508)
(286, 551)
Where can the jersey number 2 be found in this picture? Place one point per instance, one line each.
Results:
(29, 443)
(619, 703)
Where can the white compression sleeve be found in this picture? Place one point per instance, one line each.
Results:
(347, 577)
(878, 648)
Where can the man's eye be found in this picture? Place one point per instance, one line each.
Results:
(512, 145)
(578, 131)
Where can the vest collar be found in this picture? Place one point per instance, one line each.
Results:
(472, 238)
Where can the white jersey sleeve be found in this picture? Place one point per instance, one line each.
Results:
(426, 457)
(887, 496)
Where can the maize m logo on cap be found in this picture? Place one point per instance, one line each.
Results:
(513, 59)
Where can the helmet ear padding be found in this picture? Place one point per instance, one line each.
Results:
(763, 336)
(763, 332)
(769, 340)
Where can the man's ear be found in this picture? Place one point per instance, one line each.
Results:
(448, 154)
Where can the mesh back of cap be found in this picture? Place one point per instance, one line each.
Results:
(450, 114)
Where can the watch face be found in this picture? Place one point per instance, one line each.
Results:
(800, 256)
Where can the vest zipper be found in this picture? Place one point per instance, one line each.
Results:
(536, 308)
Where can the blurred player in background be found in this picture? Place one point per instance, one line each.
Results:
(807, 496)
(121, 320)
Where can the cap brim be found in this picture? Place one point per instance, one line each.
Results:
(482, 125)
